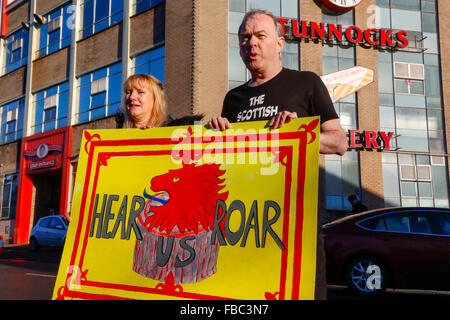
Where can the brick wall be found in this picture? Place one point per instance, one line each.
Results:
(368, 116)
(210, 57)
(45, 6)
(10, 156)
(147, 28)
(77, 131)
(179, 57)
(102, 48)
(51, 68)
(443, 25)
(12, 84)
(16, 16)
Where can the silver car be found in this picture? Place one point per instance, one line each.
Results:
(49, 231)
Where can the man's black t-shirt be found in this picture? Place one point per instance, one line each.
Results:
(302, 92)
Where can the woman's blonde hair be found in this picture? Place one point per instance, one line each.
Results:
(159, 111)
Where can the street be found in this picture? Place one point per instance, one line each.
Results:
(26, 280)
(26, 275)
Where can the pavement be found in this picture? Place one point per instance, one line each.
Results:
(23, 252)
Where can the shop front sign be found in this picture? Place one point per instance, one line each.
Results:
(297, 30)
(369, 140)
(39, 157)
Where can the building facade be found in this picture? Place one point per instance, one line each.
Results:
(62, 65)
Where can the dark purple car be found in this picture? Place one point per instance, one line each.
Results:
(407, 248)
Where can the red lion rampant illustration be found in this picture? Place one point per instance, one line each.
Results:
(193, 192)
(177, 225)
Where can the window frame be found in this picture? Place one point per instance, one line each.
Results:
(7, 136)
(11, 179)
(65, 13)
(88, 30)
(151, 60)
(84, 86)
(8, 64)
(59, 104)
(431, 214)
(151, 4)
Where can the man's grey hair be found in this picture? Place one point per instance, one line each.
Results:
(253, 12)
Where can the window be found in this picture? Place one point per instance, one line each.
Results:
(406, 4)
(100, 14)
(55, 223)
(12, 115)
(50, 107)
(151, 62)
(56, 33)
(429, 22)
(16, 49)
(142, 5)
(429, 6)
(409, 70)
(406, 20)
(9, 200)
(44, 223)
(342, 179)
(420, 223)
(373, 224)
(409, 78)
(396, 223)
(443, 220)
(99, 93)
(411, 222)
(415, 180)
(50, 114)
(410, 100)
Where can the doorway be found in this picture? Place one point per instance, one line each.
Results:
(47, 194)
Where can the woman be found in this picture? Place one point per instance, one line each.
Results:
(145, 106)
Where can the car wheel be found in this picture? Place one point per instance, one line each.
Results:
(367, 275)
(34, 246)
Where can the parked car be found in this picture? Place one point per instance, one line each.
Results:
(407, 248)
(49, 231)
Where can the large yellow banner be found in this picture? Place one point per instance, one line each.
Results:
(194, 213)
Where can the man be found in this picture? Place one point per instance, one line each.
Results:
(276, 93)
(357, 205)
(280, 95)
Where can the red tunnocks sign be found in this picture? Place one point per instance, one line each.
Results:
(369, 140)
(300, 29)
